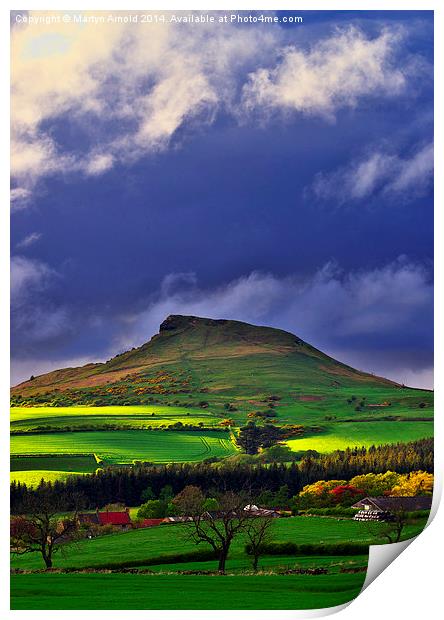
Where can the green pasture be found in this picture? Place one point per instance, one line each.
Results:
(32, 478)
(140, 544)
(350, 434)
(116, 447)
(28, 418)
(163, 589)
(132, 591)
(31, 469)
(85, 463)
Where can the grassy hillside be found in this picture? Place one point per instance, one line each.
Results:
(191, 353)
(198, 375)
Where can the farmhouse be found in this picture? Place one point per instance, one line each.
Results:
(120, 519)
(255, 511)
(88, 518)
(383, 508)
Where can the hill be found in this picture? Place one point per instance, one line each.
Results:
(184, 395)
(211, 355)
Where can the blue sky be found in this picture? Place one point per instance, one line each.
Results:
(276, 174)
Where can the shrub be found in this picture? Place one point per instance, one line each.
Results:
(333, 511)
(290, 548)
(200, 555)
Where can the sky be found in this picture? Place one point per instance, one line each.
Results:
(275, 173)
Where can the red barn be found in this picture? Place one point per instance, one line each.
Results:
(118, 519)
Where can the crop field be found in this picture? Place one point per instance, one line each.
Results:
(75, 462)
(116, 447)
(29, 418)
(350, 434)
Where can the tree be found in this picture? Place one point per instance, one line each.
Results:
(148, 494)
(217, 528)
(153, 509)
(279, 453)
(392, 528)
(166, 493)
(375, 485)
(39, 530)
(415, 483)
(345, 494)
(250, 438)
(258, 533)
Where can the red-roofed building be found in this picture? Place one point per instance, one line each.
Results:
(118, 519)
(151, 522)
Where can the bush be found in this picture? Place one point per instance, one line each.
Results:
(290, 548)
(334, 511)
(200, 555)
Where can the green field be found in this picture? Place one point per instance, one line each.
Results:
(350, 434)
(116, 447)
(31, 469)
(120, 591)
(164, 589)
(332, 411)
(84, 463)
(147, 543)
(30, 418)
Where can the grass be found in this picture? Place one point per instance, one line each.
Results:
(350, 434)
(32, 478)
(129, 591)
(85, 463)
(165, 588)
(29, 418)
(125, 446)
(152, 542)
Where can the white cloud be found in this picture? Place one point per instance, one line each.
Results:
(140, 82)
(19, 198)
(28, 276)
(130, 88)
(29, 240)
(335, 73)
(378, 173)
(414, 173)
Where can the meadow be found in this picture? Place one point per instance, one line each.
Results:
(31, 418)
(163, 586)
(139, 544)
(116, 447)
(132, 591)
(350, 434)
(362, 415)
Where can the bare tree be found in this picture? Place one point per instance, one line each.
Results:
(392, 528)
(258, 533)
(216, 527)
(40, 530)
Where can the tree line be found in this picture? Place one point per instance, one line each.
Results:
(127, 485)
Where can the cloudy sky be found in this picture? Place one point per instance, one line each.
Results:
(279, 174)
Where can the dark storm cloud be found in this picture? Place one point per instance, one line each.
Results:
(208, 174)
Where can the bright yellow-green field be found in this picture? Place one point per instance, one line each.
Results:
(26, 418)
(350, 434)
(114, 447)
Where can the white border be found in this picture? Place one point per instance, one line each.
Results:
(410, 586)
